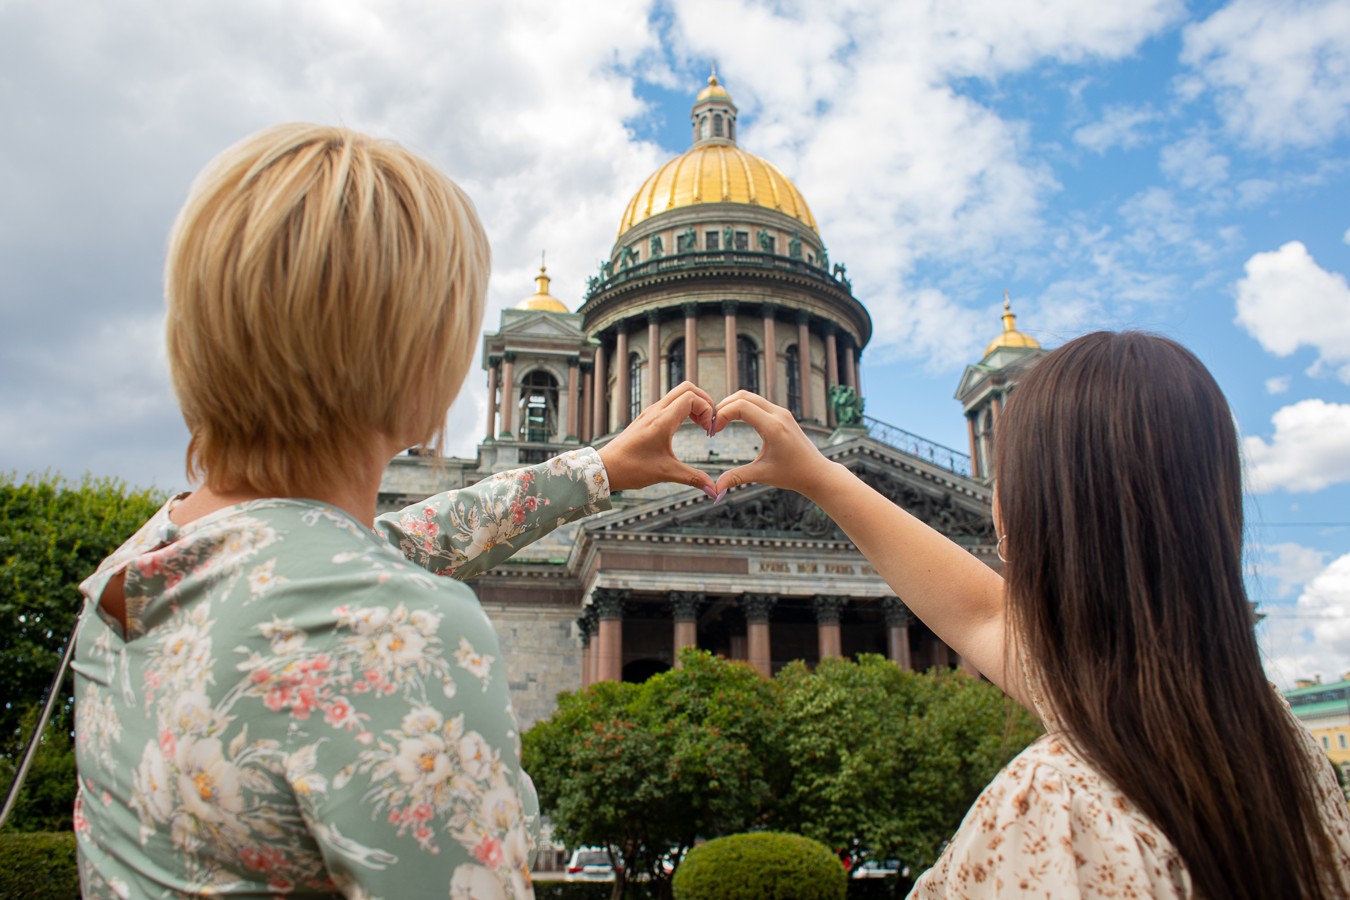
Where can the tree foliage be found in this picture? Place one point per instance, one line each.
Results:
(870, 760)
(646, 769)
(885, 762)
(53, 534)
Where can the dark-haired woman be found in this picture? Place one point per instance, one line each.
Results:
(1170, 767)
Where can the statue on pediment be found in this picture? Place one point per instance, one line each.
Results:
(847, 405)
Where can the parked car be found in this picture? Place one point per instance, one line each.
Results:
(875, 868)
(590, 864)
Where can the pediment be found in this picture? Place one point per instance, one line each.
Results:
(544, 324)
(952, 504)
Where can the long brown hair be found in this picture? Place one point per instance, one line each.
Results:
(1120, 492)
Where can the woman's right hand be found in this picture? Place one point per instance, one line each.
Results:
(787, 457)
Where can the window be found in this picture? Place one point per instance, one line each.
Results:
(703, 127)
(710, 240)
(747, 364)
(717, 125)
(769, 244)
(1326, 742)
(539, 407)
(675, 363)
(794, 381)
(634, 386)
(742, 240)
(1340, 738)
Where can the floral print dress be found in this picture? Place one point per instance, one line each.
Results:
(1051, 826)
(297, 707)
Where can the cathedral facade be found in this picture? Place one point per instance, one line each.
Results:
(718, 275)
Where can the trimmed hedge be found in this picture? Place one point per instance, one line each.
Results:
(38, 865)
(761, 866)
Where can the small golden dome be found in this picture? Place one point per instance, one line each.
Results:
(716, 173)
(714, 89)
(541, 299)
(1011, 337)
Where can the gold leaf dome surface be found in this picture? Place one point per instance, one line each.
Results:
(716, 173)
(1011, 337)
(541, 299)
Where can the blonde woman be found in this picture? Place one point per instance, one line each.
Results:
(274, 693)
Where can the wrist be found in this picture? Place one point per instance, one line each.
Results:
(824, 482)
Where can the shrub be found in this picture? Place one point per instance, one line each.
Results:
(761, 866)
(38, 866)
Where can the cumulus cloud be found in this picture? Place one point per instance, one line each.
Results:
(1289, 565)
(1307, 452)
(1286, 301)
(1278, 385)
(1311, 637)
(1280, 72)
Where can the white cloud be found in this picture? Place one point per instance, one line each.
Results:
(1119, 126)
(1286, 301)
(1312, 637)
(1278, 385)
(1309, 450)
(1193, 163)
(1280, 71)
(1290, 565)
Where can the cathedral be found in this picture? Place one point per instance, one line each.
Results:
(718, 275)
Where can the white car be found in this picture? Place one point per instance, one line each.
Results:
(590, 864)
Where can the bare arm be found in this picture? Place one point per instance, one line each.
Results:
(954, 594)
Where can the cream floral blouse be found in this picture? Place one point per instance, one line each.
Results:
(1050, 826)
(296, 708)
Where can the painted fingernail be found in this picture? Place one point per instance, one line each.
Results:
(720, 494)
(712, 494)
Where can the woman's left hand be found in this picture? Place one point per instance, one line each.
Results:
(641, 454)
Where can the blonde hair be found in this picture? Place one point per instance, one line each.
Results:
(322, 287)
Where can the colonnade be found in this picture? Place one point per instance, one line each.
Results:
(601, 628)
(502, 403)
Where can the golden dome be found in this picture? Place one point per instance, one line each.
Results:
(714, 89)
(716, 173)
(1011, 337)
(541, 299)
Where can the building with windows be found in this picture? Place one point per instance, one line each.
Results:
(1324, 710)
(719, 275)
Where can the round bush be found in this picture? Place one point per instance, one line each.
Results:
(761, 866)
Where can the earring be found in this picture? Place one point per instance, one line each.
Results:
(998, 548)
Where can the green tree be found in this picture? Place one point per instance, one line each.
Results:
(885, 762)
(53, 534)
(647, 769)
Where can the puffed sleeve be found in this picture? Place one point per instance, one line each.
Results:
(1049, 827)
(462, 533)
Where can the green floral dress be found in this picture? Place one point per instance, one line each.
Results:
(295, 708)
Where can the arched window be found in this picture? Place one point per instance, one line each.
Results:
(731, 128)
(794, 381)
(717, 125)
(703, 127)
(634, 386)
(538, 407)
(747, 364)
(675, 363)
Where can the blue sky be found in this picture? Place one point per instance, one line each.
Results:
(1150, 164)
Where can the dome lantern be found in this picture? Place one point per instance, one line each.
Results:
(714, 115)
(1011, 337)
(541, 299)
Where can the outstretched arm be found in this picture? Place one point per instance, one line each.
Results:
(465, 532)
(954, 594)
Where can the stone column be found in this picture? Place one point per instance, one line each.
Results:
(939, 654)
(898, 620)
(831, 371)
(600, 393)
(974, 446)
(621, 376)
(690, 311)
(733, 374)
(850, 373)
(997, 406)
(587, 383)
(827, 610)
(804, 361)
(508, 395)
(592, 661)
(608, 604)
(771, 355)
(573, 397)
(685, 606)
(857, 372)
(758, 651)
(653, 357)
(584, 626)
(493, 363)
